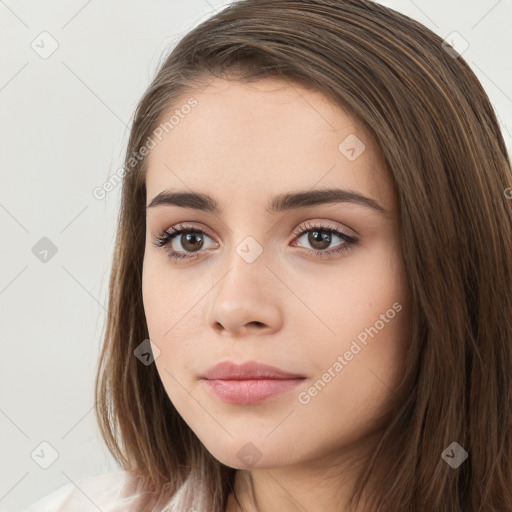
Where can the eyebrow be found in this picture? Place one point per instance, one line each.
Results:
(279, 203)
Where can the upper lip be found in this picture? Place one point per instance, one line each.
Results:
(228, 370)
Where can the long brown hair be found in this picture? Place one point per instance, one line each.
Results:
(443, 148)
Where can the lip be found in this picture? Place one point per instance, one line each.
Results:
(250, 382)
(250, 370)
(250, 391)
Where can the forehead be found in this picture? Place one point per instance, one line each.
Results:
(262, 138)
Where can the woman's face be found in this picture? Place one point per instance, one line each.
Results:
(311, 284)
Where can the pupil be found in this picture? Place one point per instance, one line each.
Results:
(190, 238)
(321, 237)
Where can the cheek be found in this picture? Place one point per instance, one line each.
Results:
(363, 317)
(153, 299)
(355, 294)
(166, 296)
(358, 369)
(174, 312)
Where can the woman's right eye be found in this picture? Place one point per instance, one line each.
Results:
(189, 238)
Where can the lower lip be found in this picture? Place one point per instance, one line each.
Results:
(250, 391)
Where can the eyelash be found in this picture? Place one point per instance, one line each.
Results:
(165, 238)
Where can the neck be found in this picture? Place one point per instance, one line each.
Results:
(324, 484)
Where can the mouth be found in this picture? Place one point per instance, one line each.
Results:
(249, 383)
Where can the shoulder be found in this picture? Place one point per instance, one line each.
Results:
(103, 492)
(119, 492)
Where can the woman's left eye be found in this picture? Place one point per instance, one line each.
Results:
(192, 239)
(321, 236)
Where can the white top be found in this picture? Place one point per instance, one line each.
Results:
(113, 492)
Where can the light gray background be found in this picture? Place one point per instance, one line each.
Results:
(63, 129)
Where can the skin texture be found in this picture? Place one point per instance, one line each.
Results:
(243, 144)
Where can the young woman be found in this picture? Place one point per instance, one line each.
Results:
(311, 295)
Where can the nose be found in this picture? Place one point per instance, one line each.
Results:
(245, 301)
